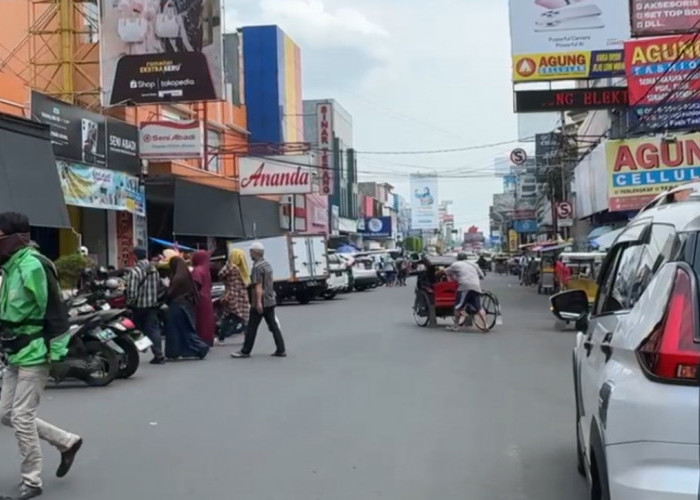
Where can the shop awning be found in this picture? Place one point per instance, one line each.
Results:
(206, 211)
(261, 217)
(29, 181)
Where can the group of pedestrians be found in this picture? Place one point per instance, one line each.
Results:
(394, 272)
(191, 325)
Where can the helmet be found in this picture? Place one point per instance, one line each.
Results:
(112, 283)
(84, 251)
(461, 256)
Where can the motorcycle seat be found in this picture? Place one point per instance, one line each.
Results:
(83, 318)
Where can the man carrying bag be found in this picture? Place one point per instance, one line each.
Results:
(34, 323)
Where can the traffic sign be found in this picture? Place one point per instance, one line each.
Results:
(518, 156)
(564, 210)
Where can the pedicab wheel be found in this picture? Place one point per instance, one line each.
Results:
(489, 304)
(421, 310)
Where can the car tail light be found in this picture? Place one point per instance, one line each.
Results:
(128, 324)
(671, 353)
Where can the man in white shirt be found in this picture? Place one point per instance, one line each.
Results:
(468, 276)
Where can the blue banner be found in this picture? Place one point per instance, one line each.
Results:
(377, 227)
(525, 226)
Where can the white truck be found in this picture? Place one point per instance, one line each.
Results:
(299, 264)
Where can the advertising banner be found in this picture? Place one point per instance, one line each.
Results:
(324, 118)
(161, 51)
(169, 140)
(86, 137)
(567, 39)
(424, 202)
(376, 227)
(93, 187)
(664, 81)
(525, 226)
(640, 169)
(512, 241)
(276, 175)
(654, 17)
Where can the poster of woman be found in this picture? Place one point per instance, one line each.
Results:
(161, 51)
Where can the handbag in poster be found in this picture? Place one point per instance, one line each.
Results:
(161, 51)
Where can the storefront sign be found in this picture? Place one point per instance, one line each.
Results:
(640, 169)
(346, 225)
(562, 40)
(94, 187)
(164, 140)
(86, 137)
(664, 82)
(525, 226)
(424, 202)
(512, 241)
(654, 17)
(276, 175)
(324, 118)
(149, 55)
(376, 227)
(125, 239)
(538, 101)
(524, 214)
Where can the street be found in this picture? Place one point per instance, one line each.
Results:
(367, 406)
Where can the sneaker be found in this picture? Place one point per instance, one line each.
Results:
(67, 458)
(158, 361)
(240, 355)
(25, 493)
(279, 354)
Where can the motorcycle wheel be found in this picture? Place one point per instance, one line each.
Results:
(109, 363)
(129, 361)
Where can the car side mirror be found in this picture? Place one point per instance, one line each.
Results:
(571, 305)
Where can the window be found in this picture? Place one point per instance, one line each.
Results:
(655, 253)
(91, 17)
(214, 143)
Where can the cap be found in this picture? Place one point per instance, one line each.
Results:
(257, 246)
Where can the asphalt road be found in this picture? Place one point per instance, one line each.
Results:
(367, 406)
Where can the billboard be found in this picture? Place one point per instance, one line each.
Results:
(563, 40)
(86, 137)
(165, 140)
(525, 226)
(424, 202)
(161, 51)
(664, 82)
(276, 175)
(640, 169)
(652, 17)
(538, 101)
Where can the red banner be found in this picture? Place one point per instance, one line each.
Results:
(664, 81)
(654, 17)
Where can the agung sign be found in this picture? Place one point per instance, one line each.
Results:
(640, 169)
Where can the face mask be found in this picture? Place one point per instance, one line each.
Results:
(10, 243)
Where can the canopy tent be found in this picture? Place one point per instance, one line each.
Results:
(605, 241)
(170, 244)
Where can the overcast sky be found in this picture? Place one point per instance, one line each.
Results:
(415, 75)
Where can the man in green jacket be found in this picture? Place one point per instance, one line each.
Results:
(24, 295)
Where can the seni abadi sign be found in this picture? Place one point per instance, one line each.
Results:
(165, 140)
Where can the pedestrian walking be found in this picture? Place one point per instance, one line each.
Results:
(181, 339)
(143, 289)
(204, 309)
(263, 306)
(34, 322)
(236, 299)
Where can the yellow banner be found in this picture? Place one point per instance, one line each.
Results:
(553, 66)
(512, 241)
(640, 169)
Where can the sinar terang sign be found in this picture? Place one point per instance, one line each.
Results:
(276, 175)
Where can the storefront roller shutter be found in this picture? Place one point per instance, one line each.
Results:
(206, 211)
(29, 180)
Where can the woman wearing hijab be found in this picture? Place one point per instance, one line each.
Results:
(204, 310)
(235, 301)
(181, 340)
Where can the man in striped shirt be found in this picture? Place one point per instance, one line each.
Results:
(142, 288)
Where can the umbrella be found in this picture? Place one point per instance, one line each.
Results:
(170, 244)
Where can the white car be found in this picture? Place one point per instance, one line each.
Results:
(636, 359)
(338, 279)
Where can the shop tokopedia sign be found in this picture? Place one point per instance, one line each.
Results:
(276, 175)
(640, 169)
(568, 39)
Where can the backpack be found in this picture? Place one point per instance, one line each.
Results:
(56, 316)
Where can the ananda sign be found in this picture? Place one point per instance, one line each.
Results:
(275, 175)
(640, 169)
